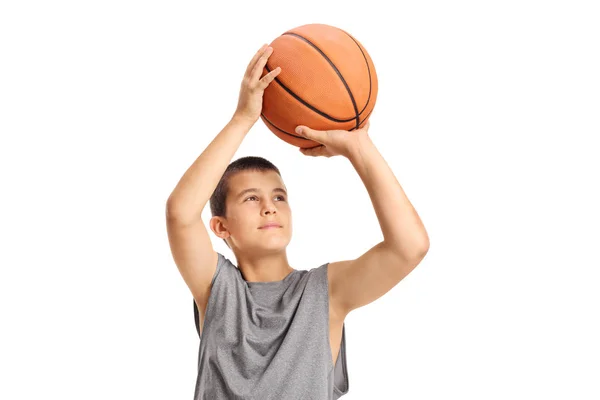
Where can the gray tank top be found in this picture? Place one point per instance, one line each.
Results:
(268, 340)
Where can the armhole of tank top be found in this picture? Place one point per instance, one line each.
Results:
(220, 265)
(220, 262)
(344, 367)
(341, 353)
(324, 268)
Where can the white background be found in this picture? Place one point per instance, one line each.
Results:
(488, 114)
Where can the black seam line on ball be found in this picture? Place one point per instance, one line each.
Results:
(337, 71)
(313, 108)
(281, 130)
(365, 118)
(368, 70)
(303, 138)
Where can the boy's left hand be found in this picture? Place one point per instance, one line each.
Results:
(333, 142)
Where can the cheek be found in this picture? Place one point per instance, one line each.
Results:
(288, 210)
(244, 220)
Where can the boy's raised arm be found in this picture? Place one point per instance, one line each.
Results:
(195, 187)
(190, 243)
(356, 283)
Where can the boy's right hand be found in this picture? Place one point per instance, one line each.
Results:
(251, 92)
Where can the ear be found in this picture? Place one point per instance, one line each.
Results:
(217, 225)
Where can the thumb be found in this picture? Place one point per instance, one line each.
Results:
(312, 134)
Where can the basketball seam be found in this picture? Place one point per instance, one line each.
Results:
(299, 137)
(282, 131)
(368, 70)
(302, 101)
(337, 71)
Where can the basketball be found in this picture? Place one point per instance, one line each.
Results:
(327, 81)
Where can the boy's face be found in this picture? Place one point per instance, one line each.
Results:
(247, 211)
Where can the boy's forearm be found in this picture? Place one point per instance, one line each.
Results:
(195, 187)
(400, 224)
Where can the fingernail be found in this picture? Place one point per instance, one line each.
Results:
(299, 130)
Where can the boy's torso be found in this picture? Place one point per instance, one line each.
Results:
(335, 325)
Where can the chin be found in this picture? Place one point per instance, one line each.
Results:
(274, 244)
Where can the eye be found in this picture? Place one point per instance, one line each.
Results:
(254, 197)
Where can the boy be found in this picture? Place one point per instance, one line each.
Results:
(269, 331)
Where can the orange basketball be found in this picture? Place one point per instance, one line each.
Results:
(327, 81)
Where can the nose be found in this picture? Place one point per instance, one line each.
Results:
(269, 208)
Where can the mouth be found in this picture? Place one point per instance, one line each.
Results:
(269, 226)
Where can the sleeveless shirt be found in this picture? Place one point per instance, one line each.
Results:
(268, 340)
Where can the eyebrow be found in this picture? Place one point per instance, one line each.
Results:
(243, 192)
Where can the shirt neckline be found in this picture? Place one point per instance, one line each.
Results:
(271, 283)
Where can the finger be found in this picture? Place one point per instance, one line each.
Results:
(268, 78)
(317, 136)
(255, 58)
(260, 64)
(314, 151)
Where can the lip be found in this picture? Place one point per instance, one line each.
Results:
(270, 225)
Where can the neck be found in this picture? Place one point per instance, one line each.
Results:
(265, 267)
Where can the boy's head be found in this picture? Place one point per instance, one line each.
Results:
(238, 214)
